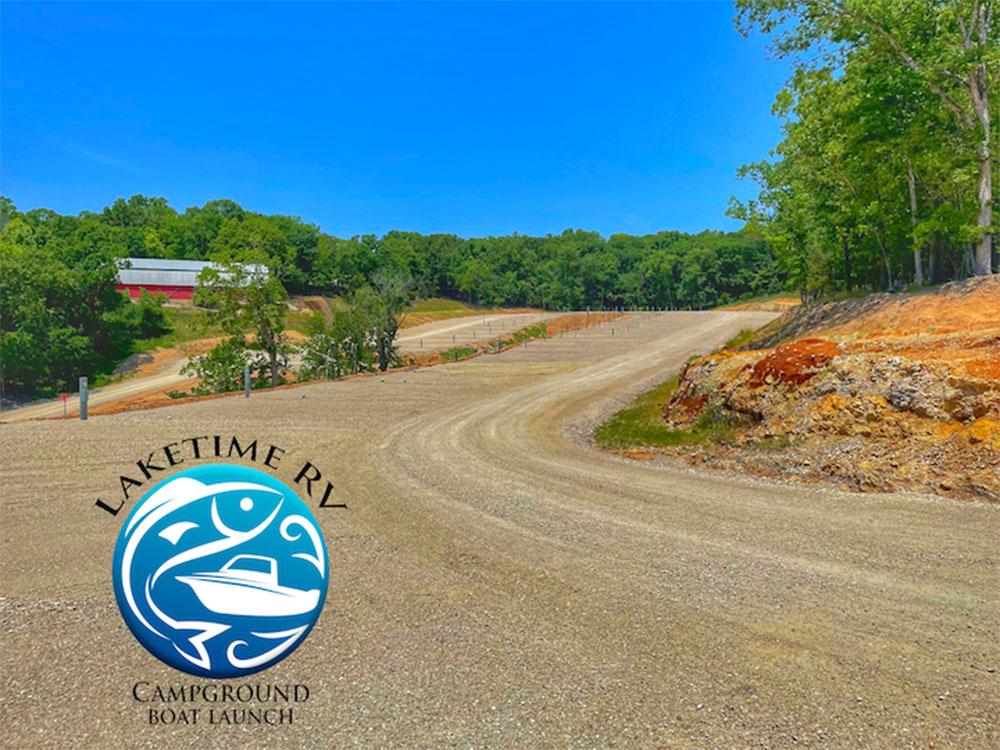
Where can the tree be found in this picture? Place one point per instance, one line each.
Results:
(248, 299)
(384, 306)
(474, 280)
(951, 47)
(60, 320)
(343, 347)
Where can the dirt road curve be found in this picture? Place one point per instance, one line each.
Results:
(498, 583)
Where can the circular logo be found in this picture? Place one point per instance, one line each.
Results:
(220, 571)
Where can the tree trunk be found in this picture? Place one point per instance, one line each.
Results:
(885, 260)
(918, 268)
(275, 379)
(848, 270)
(979, 90)
(975, 36)
(984, 249)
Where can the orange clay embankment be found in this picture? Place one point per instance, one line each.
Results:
(882, 393)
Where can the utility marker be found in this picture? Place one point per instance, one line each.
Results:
(83, 398)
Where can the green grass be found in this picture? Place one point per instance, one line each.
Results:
(453, 355)
(304, 321)
(740, 339)
(746, 299)
(641, 425)
(186, 324)
(438, 304)
(521, 335)
(192, 323)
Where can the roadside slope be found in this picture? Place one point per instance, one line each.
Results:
(880, 393)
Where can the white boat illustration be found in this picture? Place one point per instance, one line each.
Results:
(249, 588)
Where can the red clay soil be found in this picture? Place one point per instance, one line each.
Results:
(793, 363)
(578, 321)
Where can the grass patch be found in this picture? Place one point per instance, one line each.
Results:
(192, 323)
(521, 335)
(439, 304)
(641, 425)
(741, 339)
(304, 321)
(186, 324)
(459, 352)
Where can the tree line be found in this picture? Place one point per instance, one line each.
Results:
(572, 270)
(60, 315)
(884, 174)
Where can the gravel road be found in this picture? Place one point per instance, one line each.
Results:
(446, 334)
(438, 335)
(497, 582)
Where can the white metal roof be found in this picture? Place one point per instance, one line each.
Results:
(162, 264)
(163, 272)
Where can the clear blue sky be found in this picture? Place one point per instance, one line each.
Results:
(468, 118)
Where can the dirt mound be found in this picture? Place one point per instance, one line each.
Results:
(906, 394)
(960, 306)
(775, 304)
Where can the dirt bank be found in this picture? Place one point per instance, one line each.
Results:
(882, 393)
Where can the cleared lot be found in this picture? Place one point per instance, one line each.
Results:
(496, 582)
(427, 337)
(445, 334)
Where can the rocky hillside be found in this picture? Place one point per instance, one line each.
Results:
(881, 393)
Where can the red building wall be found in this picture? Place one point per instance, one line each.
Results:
(172, 292)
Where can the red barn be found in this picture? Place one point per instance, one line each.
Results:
(175, 278)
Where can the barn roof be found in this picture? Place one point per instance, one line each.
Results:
(164, 272)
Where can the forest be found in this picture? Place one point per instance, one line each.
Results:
(60, 313)
(884, 176)
(572, 270)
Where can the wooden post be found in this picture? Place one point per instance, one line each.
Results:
(83, 398)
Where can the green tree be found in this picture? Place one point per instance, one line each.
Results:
(949, 49)
(248, 299)
(383, 304)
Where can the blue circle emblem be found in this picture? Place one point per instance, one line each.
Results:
(220, 571)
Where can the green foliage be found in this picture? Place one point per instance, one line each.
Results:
(571, 270)
(243, 298)
(221, 369)
(438, 305)
(344, 347)
(60, 314)
(889, 140)
(642, 425)
(743, 337)
(459, 352)
(381, 305)
(537, 331)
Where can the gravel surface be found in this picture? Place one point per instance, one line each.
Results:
(496, 582)
(438, 335)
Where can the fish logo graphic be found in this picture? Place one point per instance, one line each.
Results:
(220, 571)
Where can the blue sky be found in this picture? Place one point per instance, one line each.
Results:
(468, 118)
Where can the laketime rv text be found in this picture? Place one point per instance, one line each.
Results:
(203, 447)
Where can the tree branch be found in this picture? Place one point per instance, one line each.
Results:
(905, 56)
